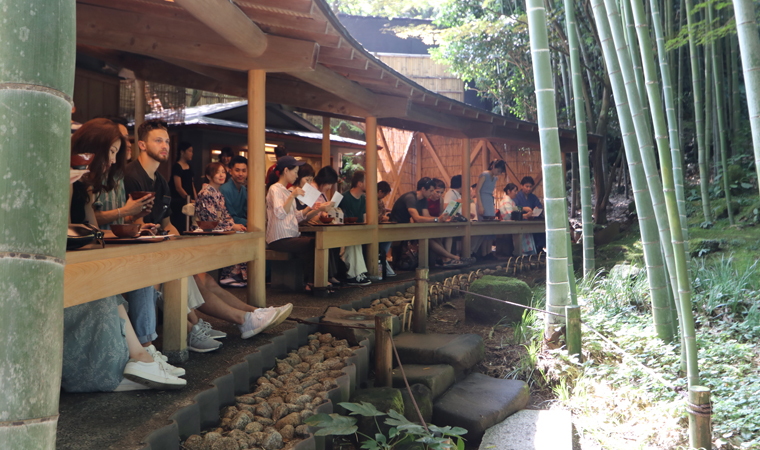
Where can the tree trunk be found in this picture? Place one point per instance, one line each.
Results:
(749, 44)
(704, 160)
(649, 235)
(581, 162)
(735, 101)
(557, 286)
(600, 210)
(698, 112)
(37, 54)
(718, 78)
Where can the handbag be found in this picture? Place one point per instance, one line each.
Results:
(80, 234)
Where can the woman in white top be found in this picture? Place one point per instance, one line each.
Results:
(507, 204)
(452, 195)
(283, 218)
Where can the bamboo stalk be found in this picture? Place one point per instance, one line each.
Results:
(704, 162)
(573, 318)
(749, 44)
(557, 285)
(36, 84)
(700, 433)
(419, 319)
(384, 350)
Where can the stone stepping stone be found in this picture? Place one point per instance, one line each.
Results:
(531, 430)
(437, 377)
(460, 351)
(480, 402)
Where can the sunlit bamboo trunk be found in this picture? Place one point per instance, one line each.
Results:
(749, 44)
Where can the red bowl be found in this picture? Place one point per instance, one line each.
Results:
(325, 219)
(351, 219)
(81, 161)
(129, 230)
(207, 225)
(137, 195)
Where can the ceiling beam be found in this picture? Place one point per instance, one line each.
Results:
(162, 37)
(229, 22)
(326, 79)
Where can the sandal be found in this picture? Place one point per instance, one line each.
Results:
(453, 263)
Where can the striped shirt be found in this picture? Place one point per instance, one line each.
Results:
(281, 224)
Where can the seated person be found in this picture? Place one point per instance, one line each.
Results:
(305, 176)
(283, 217)
(383, 215)
(412, 206)
(526, 199)
(210, 206)
(454, 194)
(435, 202)
(235, 191)
(101, 351)
(506, 207)
(354, 204)
(181, 185)
(225, 157)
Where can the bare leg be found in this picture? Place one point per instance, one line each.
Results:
(192, 318)
(136, 350)
(447, 244)
(206, 284)
(436, 247)
(216, 307)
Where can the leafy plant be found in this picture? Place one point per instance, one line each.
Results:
(402, 431)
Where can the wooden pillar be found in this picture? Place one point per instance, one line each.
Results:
(139, 114)
(325, 141)
(257, 168)
(321, 265)
(383, 350)
(466, 196)
(370, 179)
(175, 320)
(423, 257)
(418, 159)
(419, 316)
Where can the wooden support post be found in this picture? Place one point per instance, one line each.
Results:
(383, 350)
(573, 338)
(175, 320)
(325, 141)
(257, 168)
(466, 250)
(700, 410)
(418, 158)
(139, 114)
(423, 257)
(321, 261)
(370, 178)
(419, 316)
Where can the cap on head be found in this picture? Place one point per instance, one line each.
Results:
(288, 161)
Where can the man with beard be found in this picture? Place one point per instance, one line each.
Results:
(142, 175)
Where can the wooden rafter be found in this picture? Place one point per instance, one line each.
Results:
(397, 181)
(389, 155)
(431, 150)
(477, 150)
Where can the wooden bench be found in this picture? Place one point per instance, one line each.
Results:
(286, 270)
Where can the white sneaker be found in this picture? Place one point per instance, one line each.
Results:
(129, 385)
(152, 375)
(282, 313)
(257, 321)
(213, 334)
(388, 271)
(157, 356)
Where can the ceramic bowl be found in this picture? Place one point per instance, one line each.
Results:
(351, 219)
(207, 225)
(325, 219)
(127, 230)
(81, 161)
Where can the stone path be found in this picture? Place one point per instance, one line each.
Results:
(531, 430)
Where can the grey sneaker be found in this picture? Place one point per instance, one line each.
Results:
(388, 270)
(162, 360)
(199, 341)
(257, 321)
(214, 334)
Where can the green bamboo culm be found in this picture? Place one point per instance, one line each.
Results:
(670, 215)
(557, 284)
(718, 78)
(37, 55)
(749, 47)
(699, 116)
(674, 137)
(589, 262)
(650, 238)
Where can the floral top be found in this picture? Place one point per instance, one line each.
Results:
(507, 205)
(209, 206)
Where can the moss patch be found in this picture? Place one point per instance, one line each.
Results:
(501, 287)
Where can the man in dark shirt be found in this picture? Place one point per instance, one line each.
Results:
(412, 205)
(142, 175)
(526, 198)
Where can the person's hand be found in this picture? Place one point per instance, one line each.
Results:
(75, 175)
(297, 191)
(481, 209)
(444, 217)
(316, 205)
(139, 207)
(326, 206)
(239, 227)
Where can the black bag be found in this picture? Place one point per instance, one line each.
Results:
(81, 234)
(407, 260)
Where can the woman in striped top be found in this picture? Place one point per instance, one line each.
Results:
(283, 217)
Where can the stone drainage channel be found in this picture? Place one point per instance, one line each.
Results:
(263, 400)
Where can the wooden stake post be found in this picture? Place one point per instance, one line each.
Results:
(700, 410)
(383, 350)
(175, 330)
(370, 183)
(573, 338)
(257, 166)
(419, 317)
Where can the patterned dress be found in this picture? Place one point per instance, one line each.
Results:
(209, 206)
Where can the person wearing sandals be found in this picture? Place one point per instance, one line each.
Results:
(283, 217)
(485, 202)
(101, 351)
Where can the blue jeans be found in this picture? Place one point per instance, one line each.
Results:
(142, 313)
(384, 247)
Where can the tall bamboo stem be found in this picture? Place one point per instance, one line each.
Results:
(649, 235)
(704, 162)
(735, 109)
(37, 55)
(589, 261)
(749, 44)
(557, 284)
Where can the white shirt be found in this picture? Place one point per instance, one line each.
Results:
(451, 196)
(281, 224)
